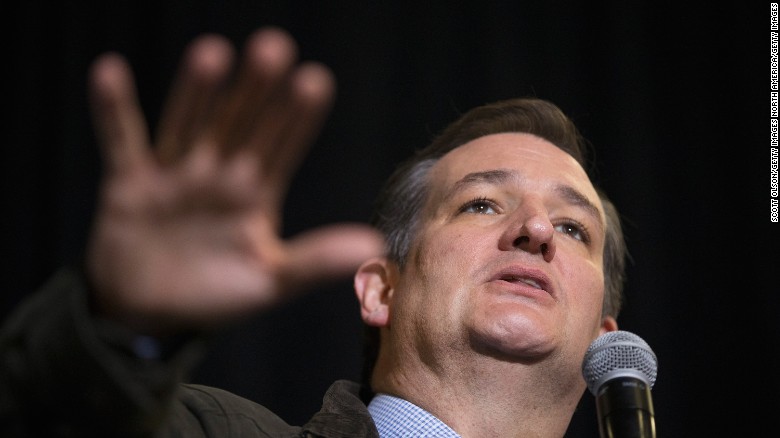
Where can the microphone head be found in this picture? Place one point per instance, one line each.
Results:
(618, 354)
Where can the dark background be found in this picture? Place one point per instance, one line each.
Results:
(675, 98)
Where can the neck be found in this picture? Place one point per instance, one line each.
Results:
(488, 397)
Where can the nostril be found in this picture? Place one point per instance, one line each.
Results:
(521, 240)
(544, 248)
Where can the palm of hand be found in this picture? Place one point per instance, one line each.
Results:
(187, 233)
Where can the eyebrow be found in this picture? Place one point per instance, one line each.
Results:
(569, 194)
(574, 197)
(498, 176)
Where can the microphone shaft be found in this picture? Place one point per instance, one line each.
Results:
(625, 409)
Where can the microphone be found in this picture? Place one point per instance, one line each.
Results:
(620, 369)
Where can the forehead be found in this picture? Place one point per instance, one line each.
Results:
(538, 163)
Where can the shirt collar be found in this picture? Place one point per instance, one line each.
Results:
(396, 417)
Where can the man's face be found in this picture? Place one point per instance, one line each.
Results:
(508, 260)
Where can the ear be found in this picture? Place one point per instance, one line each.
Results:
(608, 324)
(374, 284)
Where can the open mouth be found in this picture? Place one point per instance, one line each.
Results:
(525, 277)
(529, 281)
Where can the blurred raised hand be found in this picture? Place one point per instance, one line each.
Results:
(187, 231)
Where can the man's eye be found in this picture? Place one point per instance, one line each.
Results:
(479, 206)
(574, 230)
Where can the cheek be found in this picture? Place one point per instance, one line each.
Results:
(449, 253)
(585, 283)
(445, 265)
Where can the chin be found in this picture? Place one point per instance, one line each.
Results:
(517, 340)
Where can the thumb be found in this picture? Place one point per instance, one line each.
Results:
(329, 253)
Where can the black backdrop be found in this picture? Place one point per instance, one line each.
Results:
(674, 96)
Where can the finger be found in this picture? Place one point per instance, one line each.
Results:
(284, 132)
(284, 135)
(269, 56)
(328, 253)
(204, 68)
(119, 122)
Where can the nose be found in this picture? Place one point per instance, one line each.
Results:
(530, 230)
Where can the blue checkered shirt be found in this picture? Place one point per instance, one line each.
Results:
(395, 417)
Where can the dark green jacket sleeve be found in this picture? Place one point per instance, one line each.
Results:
(64, 373)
